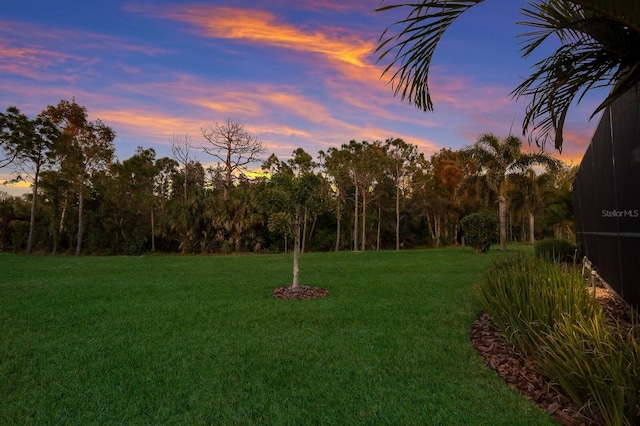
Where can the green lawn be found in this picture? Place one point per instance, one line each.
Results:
(200, 340)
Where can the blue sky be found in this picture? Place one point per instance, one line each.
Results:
(295, 73)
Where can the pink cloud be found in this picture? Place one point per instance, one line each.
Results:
(22, 34)
(45, 54)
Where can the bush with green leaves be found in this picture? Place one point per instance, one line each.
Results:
(556, 250)
(480, 230)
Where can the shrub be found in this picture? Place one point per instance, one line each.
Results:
(555, 250)
(480, 230)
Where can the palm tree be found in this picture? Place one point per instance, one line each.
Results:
(526, 198)
(496, 160)
(599, 47)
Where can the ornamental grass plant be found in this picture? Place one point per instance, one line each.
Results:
(526, 296)
(598, 366)
(556, 250)
(546, 312)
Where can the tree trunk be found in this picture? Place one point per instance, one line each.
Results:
(184, 185)
(338, 224)
(398, 216)
(32, 220)
(558, 232)
(80, 222)
(431, 231)
(378, 230)
(355, 221)
(153, 232)
(532, 226)
(437, 229)
(364, 220)
(60, 230)
(447, 228)
(304, 232)
(296, 254)
(502, 214)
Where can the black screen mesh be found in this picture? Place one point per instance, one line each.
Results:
(607, 198)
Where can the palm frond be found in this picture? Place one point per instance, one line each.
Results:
(625, 12)
(597, 50)
(412, 47)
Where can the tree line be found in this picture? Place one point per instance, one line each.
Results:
(363, 195)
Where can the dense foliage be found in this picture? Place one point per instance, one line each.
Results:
(480, 230)
(556, 250)
(366, 195)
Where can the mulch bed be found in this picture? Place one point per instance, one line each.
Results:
(300, 293)
(519, 372)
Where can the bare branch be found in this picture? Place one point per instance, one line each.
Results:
(233, 146)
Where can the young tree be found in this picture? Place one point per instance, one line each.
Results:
(85, 148)
(29, 143)
(287, 197)
(233, 146)
(301, 163)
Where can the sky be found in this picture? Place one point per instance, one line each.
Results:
(294, 73)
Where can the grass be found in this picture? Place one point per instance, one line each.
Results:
(200, 340)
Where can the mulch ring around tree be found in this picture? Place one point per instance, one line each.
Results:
(299, 293)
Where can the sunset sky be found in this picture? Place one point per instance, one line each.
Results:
(295, 73)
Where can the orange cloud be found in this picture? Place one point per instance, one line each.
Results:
(261, 27)
(248, 102)
(143, 121)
